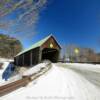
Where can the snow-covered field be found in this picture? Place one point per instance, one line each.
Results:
(73, 82)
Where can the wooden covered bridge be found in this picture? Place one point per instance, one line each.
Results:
(47, 48)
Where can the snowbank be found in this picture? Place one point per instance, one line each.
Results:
(34, 69)
(57, 84)
(6, 62)
(4, 66)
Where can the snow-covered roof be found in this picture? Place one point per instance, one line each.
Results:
(37, 44)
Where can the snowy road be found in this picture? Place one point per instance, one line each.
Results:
(73, 82)
(89, 71)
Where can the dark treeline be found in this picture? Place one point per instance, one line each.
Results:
(9, 46)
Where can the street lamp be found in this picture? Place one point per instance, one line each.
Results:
(76, 50)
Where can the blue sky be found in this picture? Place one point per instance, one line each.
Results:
(71, 22)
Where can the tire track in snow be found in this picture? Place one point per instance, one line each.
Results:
(88, 90)
(61, 82)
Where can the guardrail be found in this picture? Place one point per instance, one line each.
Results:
(13, 86)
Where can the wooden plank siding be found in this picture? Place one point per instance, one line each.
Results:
(51, 41)
(35, 55)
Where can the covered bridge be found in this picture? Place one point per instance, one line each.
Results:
(48, 48)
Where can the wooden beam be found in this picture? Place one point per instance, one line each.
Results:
(40, 55)
(23, 60)
(31, 58)
(17, 59)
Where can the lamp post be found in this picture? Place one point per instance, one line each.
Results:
(76, 51)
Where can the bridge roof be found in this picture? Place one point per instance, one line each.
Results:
(37, 44)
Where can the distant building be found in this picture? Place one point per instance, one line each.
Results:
(48, 48)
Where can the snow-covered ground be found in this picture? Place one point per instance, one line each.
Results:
(34, 69)
(69, 83)
(4, 66)
(5, 63)
(89, 71)
(18, 76)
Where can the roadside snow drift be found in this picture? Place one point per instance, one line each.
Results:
(5, 63)
(34, 69)
(57, 84)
